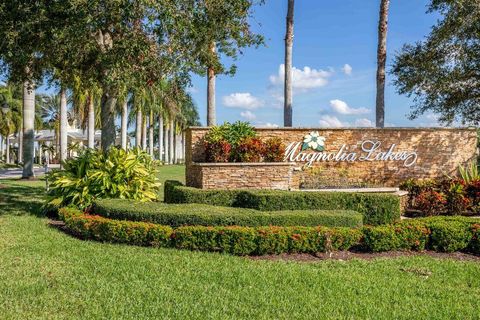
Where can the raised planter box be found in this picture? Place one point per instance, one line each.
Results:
(255, 175)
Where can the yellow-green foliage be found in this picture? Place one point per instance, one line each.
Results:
(94, 175)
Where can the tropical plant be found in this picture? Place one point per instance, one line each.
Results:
(248, 150)
(273, 150)
(431, 203)
(469, 172)
(96, 175)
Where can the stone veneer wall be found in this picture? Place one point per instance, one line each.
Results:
(241, 175)
(440, 151)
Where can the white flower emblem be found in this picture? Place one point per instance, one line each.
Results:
(313, 141)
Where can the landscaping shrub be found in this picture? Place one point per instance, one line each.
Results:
(376, 208)
(248, 150)
(218, 151)
(446, 196)
(446, 234)
(96, 175)
(206, 215)
(273, 150)
(408, 235)
(449, 236)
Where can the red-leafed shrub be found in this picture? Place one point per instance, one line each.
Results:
(218, 151)
(431, 203)
(473, 193)
(249, 150)
(274, 150)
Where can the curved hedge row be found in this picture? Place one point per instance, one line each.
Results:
(205, 215)
(440, 234)
(376, 208)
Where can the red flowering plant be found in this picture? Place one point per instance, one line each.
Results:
(473, 193)
(431, 203)
(218, 151)
(457, 201)
(248, 150)
(274, 150)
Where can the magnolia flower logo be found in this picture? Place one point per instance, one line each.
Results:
(313, 141)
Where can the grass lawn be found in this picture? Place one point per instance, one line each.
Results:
(45, 273)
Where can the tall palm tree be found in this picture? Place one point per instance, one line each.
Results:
(63, 126)
(381, 61)
(28, 129)
(211, 118)
(287, 104)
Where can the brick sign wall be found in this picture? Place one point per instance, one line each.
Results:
(380, 157)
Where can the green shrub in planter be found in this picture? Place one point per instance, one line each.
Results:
(199, 214)
(377, 208)
(95, 175)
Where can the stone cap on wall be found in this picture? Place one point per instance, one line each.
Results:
(242, 164)
(352, 128)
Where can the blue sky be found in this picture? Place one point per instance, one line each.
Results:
(327, 36)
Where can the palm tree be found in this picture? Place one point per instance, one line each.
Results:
(11, 116)
(287, 104)
(381, 60)
(211, 118)
(63, 126)
(28, 129)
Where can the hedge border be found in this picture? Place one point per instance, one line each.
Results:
(376, 208)
(176, 215)
(439, 234)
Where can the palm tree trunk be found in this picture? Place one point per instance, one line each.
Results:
(144, 133)
(109, 100)
(167, 149)
(175, 145)
(183, 146)
(124, 124)
(160, 137)
(91, 123)
(381, 60)
(171, 133)
(7, 149)
(20, 144)
(138, 129)
(211, 119)
(28, 127)
(150, 133)
(63, 126)
(287, 104)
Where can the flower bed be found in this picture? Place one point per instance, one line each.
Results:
(440, 234)
(176, 215)
(376, 208)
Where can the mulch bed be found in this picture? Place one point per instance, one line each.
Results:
(348, 255)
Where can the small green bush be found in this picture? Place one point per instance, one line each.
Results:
(408, 235)
(205, 215)
(449, 236)
(377, 208)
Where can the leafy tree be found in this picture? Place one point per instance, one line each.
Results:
(442, 72)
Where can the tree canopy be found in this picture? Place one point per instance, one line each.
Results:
(442, 73)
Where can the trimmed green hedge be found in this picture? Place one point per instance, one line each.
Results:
(377, 208)
(439, 234)
(205, 215)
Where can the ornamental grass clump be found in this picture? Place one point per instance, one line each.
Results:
(94, 175)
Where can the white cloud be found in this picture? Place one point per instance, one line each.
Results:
(243, 100)
(331, 122)
(302, 79)
(342, 107)
(192, 90)
(364, 123)
(347, 69)
(267, 125)
(248, 115)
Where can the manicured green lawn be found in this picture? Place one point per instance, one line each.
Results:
(45, 273)
(173, 172)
